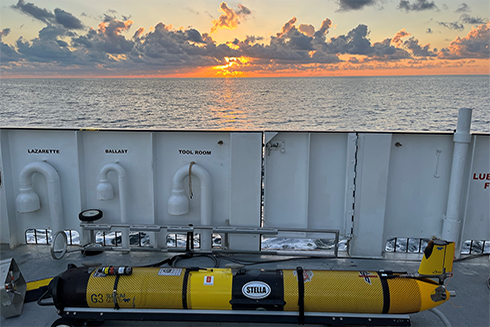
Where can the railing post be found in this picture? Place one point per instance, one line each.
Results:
(451, 229)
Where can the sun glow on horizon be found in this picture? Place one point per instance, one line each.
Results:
(232, 67)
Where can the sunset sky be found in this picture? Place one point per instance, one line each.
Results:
(249, 38)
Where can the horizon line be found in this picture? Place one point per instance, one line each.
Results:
(231, 77)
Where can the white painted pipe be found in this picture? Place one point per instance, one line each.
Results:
(54, 191)
(441, 316)
(451, 229)
(121, 174)
(176, 200)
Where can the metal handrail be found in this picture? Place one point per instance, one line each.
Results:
(222, 230)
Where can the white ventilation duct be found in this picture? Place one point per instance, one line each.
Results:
(178, 203)
(28, 200)
(105, 192)
(451, 229)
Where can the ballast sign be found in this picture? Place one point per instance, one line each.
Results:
(116, 151)
(189, 152)
(256, 290)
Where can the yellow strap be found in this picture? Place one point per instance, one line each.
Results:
(38, 284)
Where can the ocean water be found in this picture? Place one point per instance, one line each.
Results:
(414, 103)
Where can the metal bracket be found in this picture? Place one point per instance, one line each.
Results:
(277, 145)
(436, 172)
(13, 288)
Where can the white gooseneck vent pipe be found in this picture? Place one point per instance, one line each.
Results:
(105, 192)
(178, 203)
(451, 229)
(28, 200)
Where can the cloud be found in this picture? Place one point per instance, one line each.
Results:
(355, 42)
(463, 8)
(192, 11)
(138, 33)
(396, 49)
(452, 25)
(412, 44)
(385, 51)
(108, 37)
(429, 31)
(348, 5)
(396, 40)
(67, 20)
(463, 19)
(466, 19)
(45, 51)
(230, 18)
(307, 29)
(474, 45)
(51, 32)
(292, 45)
(4, 32)
(7, 52)
(60, 16)
(46, 48)
(326, 24)
(287, 27)
(116, 47)
(35, 12)
(97, 50)
(164, 48)
(417, 5)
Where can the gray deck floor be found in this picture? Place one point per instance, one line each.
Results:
(470, 307)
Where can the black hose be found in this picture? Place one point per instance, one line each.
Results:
(173, 260)
(258, 262)
(192, 255)
(39, 301)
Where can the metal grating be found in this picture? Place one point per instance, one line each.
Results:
(138, 239)
(418, 245)
(406, 245)
(476, 247)
(43, 236)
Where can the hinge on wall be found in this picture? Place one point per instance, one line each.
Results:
(350, 192)
(354, 184)
(276, 145)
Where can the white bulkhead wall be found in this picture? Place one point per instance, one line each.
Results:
(476, 201)
(56, 148)
(382, 185)
(150, 159)
(306, 178)
(369, 186)
(420, 168)
(245, 188)
(211, 151)
(131, 151)
(371, 190)
(8, 232)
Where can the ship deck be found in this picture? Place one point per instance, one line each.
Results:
(470, 306)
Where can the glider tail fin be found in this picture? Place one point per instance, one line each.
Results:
(438, 259)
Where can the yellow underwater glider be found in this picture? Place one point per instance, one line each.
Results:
(139, 293)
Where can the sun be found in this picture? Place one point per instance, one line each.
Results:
(232, 67)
